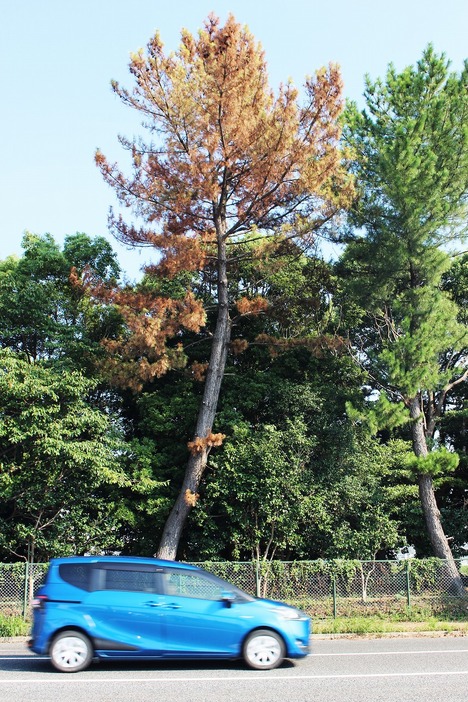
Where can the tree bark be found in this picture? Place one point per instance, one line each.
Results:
(206, 414)
(439, 541)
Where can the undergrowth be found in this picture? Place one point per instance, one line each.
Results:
(13, 626)
(378, 625)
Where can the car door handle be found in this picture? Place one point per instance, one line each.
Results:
(162, 605)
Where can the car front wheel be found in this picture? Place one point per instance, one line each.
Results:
(71, 652)
(263, 650)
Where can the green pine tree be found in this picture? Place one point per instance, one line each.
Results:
(410, 150)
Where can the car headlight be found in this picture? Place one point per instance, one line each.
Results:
(288, 613)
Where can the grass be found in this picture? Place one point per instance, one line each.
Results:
(450, 616)
(13, 626)
(379, 625)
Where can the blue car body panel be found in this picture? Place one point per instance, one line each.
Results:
(178, 611)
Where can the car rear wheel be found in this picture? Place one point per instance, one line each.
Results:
(263, 650)
(71, 652)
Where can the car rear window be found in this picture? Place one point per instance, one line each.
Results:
(76, 574)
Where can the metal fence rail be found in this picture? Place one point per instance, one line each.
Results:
(322, 588)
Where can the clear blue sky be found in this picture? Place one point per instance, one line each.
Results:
(57, 58)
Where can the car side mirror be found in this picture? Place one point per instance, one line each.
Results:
(228, 598)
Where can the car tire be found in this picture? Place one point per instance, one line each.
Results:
(71, 651)
(263, 649)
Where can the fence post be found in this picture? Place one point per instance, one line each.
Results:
(26, 589)
(408, 584)
(257, 578)
(334, 596)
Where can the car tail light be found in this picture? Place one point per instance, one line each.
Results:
(39, 602)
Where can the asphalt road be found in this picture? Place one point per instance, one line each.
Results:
(338, 670)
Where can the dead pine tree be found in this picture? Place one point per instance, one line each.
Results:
(225, 156)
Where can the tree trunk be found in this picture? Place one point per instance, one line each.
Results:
(206, 414)
(439, 541)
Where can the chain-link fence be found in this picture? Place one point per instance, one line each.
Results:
(349, 587)
(18, 582)
(321, 588)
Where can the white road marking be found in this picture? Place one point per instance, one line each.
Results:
(76, 679)
(252, 677)
(389, 653)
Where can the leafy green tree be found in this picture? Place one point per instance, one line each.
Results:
(42, 314)
(410, 148)
(59, 458)
(258, 482)
(354, 505)
(87, 482)
(291, 437)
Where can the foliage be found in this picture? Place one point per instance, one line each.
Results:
(332, 506)
(435, 464)
(41, 314)
(58, 456)
(411, 160)
(452, 426)
(412, 164)
(69, 482)
(215, 121)
(13, 626)
(259, 482)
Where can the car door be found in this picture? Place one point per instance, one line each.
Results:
(197, 622)
(124, 609)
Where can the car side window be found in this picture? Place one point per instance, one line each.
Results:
(130, 580)
(76, 574)
(186, 584)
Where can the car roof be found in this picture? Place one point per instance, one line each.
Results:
(137, 560)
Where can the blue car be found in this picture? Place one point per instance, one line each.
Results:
(126, 608)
